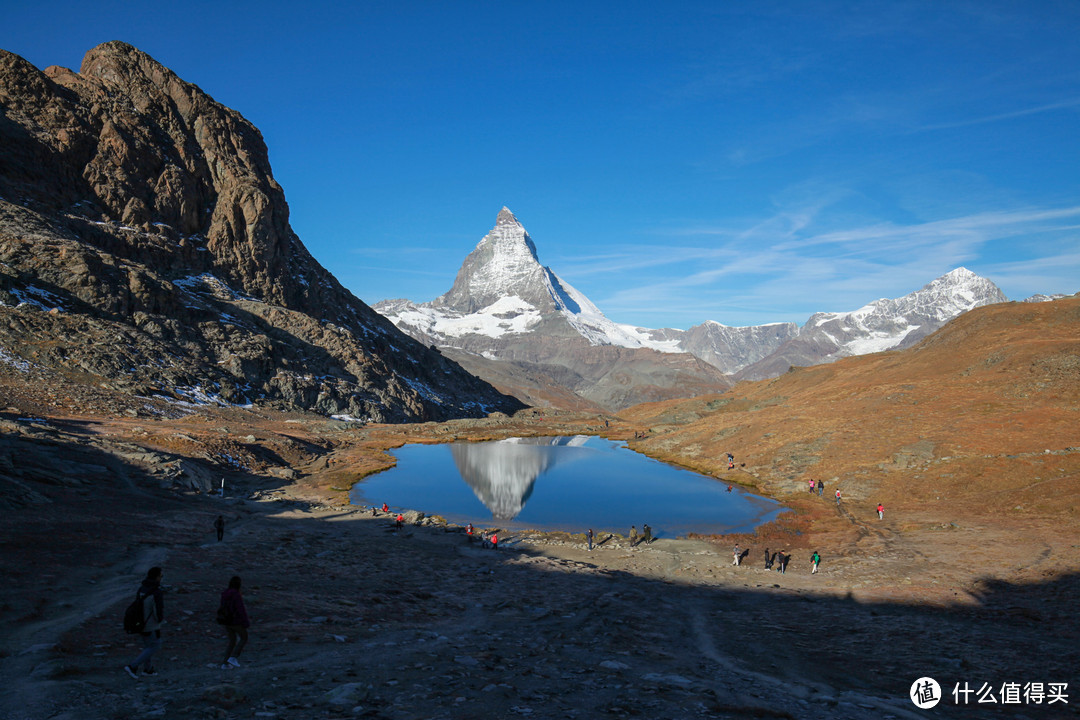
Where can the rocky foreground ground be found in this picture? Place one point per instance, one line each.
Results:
(352, 617)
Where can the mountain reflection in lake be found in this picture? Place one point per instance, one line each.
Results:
(566, 483)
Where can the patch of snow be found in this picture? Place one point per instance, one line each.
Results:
(17, 363)
(593, 325)
(509, 315)
(207, 282)
(877, 341)
(195, 396)
(348, 418)
(36, 297)
(423, 390)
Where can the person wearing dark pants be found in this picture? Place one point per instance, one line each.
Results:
(154, 613)
(219, 525)
(233, 615)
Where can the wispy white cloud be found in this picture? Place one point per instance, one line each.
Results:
(778, 266)
(1063, 105)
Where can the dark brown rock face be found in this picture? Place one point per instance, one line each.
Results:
(144, 242)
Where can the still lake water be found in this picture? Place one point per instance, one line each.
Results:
(561, 483)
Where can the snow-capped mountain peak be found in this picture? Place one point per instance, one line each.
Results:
(503, 299)
(505, 267)
(504, 263)
(885, 324)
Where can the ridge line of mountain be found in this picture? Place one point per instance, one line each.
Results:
(145, 246)
(506, 306)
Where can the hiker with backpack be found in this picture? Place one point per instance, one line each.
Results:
(233, 615)
(145, 616)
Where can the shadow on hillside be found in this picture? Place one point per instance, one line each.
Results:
(1016, 633)
(576, 613)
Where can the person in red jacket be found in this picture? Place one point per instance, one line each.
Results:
(880, 511)
(236, 622)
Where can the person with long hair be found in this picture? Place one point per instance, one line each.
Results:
(233, 615)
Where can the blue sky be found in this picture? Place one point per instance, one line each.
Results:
(744, 162)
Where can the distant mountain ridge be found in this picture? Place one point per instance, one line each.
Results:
(504, 305)
(881, 325)
(145, 246)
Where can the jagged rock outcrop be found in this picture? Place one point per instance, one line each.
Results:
(145, 243)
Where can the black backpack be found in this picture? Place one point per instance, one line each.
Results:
(134, 618)
(224, 617)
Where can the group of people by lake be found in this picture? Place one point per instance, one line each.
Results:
(819, 487)
(778, 560)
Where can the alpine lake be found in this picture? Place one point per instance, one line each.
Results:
(560, 483)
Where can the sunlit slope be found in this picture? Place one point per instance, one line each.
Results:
(984, 412)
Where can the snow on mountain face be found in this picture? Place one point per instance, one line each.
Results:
(1045, 298)
(882, 325)
(502, 289)
(886, 324)
(504, 263)
(503, 297)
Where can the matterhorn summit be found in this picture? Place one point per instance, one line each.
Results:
(504, 264)
(506, 307)
(503, 290)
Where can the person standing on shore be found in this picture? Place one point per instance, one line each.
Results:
(811, 486)
(633, 535)
(784, 557)
(737, 553)
(767, 563)
(814, 560)
(820, 487)
(469, 532)
(400, 520)
(494, 541)
(233, 615)
(219, 525)
(589, 537)
(153, 601)
(646, 534)
(880, 511)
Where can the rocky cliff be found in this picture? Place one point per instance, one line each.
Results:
(145, 245)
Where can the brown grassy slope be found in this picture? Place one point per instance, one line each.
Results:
(981, 417)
